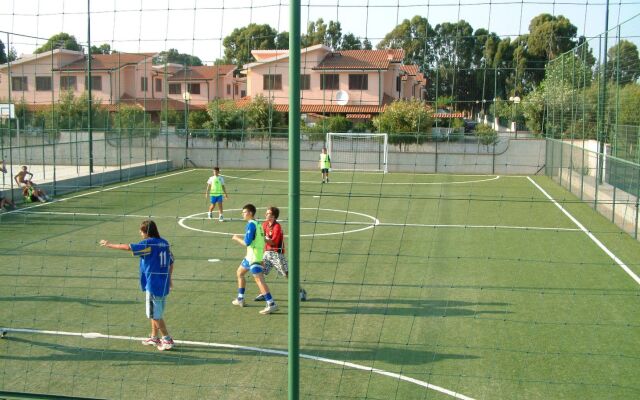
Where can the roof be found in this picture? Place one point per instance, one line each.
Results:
(360, 59)
(267, 56)
(46, 54)
(107, 61)
(206, 72)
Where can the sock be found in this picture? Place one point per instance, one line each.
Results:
(268, 298)
(167, 338)
(240, 293)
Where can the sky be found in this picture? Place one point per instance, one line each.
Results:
(198, 27)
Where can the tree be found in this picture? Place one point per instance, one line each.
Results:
(415, 37)
(238, 45)
(60, 41)
(3, 55)
(102, 49)
(623, 64)
(174, 56)
(550, 36)
(351, 42)
(406, 121)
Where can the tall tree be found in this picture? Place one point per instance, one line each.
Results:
(550, 36)
(623, 64)
(238, 45)
(60, 41)
(350, 42)
(3, 55)
(174, 56)
(415, 37)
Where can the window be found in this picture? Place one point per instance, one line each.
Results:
(19, 83)
(358, 81)
(235, 90)
(143, 83)
(43, 83)
(243, 93)
(193, 88)
(68, 83)
(398, 81)
(305, 82)
(228, 88)
(96, 83)
(159, 85)
(272, 82)
(175, 88)
(329, 81)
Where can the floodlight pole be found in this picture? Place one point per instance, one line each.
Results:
(294, 200)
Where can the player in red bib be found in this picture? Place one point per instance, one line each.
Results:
(274, 248)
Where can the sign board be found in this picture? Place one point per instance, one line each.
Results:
(7, 110)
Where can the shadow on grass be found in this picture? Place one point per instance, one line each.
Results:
(392, 355)
(65, 299)
(405, 307)
(63, 353)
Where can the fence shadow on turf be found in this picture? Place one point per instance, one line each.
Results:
(415, 308)
(87, 301)
(65, 353)
(408, 355)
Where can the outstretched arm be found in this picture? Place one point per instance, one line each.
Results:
(117, 246)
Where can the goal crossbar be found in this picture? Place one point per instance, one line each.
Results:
(358, 151)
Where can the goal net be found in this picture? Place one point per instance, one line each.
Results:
(358, 151)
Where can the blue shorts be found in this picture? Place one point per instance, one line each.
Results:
(255, 268)
(216, 199)
(155, 306)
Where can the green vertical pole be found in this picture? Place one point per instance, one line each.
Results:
(90, 111)
(294, 199)
(602, 131)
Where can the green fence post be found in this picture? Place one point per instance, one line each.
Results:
(294, 199)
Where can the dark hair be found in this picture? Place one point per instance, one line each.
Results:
(150, 229)
(216, 169)
(251, 208)
(274, 211)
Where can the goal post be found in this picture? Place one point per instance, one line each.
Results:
(358, 151)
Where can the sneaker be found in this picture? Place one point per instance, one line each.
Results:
(238, 302)
(209, 215)
(165, 344)
(259, 297)
(151, 341)
(270, 308)
(303, 295)
(221, 218)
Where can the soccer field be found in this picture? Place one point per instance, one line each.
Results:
(419, 287)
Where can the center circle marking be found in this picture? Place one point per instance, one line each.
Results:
(375, 221)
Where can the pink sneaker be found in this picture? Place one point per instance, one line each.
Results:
(165, 344)
(151, 341)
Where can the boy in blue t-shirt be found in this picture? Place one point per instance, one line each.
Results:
(156, 267)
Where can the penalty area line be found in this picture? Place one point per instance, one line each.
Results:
(97, 335)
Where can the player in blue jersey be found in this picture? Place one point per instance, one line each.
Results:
(156, 268)
(253, 240)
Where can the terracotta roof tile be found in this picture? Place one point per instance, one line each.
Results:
(207, 72)
(360, 59)
(107, 61)
(410, 69)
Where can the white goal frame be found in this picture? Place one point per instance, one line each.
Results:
(358, 161)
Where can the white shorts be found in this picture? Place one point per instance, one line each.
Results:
(155, 306)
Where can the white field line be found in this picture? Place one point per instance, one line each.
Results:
(96, 335)
(591, 235)
(97, 191)
(369, 225)
(493, 178)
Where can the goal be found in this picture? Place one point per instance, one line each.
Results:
(358, 151)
